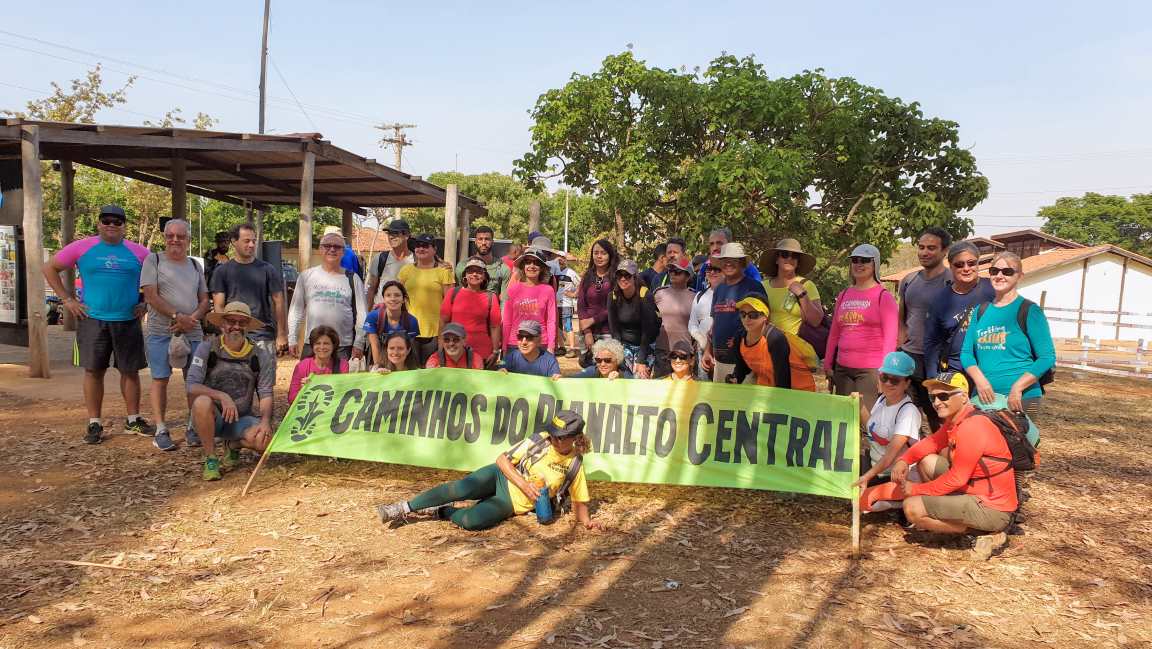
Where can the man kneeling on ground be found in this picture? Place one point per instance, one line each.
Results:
(225, 378)
(969, 480)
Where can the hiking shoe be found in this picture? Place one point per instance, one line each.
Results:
(444, 512)
(393, 512)
(211, 468)
(190, 436)
(163, 440)
(988, 545)
(231, 459)
(140, 426)
(95, 434)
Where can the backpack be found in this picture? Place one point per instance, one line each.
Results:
(1022, 322)
(1014, 427)
(381, 262)
(536, 450)
(443, 358)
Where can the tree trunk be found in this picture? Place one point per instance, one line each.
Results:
(619, 231)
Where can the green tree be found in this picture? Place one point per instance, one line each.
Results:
(1095, 219)
(829, 161)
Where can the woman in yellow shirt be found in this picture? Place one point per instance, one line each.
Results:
(427, 282)
(508, 487)
(792, 298)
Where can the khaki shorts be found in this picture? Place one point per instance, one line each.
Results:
(968, 510)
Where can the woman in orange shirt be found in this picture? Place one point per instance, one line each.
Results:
(778, 359)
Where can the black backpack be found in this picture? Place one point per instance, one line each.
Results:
(1022, 321)
(1014, 427)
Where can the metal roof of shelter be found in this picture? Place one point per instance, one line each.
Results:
(235, 168)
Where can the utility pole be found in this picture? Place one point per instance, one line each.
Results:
(398, 140)
(264, 63)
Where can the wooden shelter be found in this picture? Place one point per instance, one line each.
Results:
(240, 168)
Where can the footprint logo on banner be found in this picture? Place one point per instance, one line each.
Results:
(317, 401)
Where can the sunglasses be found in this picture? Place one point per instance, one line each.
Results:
(751, 315)
(620, 277)
(679, 357)
(971, 263)
(450, 339)
(605, 361)
(713, 269)
(1006, 272)
(861, 260)
(524, 336)
(331, 246)
(532, 262)
(111, 220)
(396, 233)
(944, 396)
(890, 379)
(785, 254)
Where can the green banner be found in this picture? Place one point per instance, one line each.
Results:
(684, 433)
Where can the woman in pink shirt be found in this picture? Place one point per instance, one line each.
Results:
(863, 330)
(325, 341)
(530, 297)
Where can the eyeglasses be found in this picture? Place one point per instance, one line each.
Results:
(1006, 272)
(450, 339)
(971, 263)
(679, 357)
(524, 336)
(944, 396)
(890, 379)
(111, 220)
(605, 360)
(861, 260)
(331, 246)
(713, 269)
(234, 322)
(751, 315)
(785, 254)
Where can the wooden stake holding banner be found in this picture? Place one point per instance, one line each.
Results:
(256, 469)
(856, 496)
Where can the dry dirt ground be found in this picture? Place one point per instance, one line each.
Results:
(303, 562)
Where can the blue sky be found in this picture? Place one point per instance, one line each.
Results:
(1054, 98)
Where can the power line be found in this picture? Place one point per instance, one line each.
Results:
(285, 82)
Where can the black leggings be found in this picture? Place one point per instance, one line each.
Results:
(487, 484)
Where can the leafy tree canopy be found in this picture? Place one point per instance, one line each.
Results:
(829, 161)
(1094, 219)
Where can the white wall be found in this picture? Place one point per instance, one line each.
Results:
(1101, 292)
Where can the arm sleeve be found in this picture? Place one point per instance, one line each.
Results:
(217, 283)
(298, 374)
(833, 334)
(969, 448)
(275, 279)
(741, 369)
(908, 422)
(780, 352)
(71, 253)
(889, 320)
(494, 319)
(695, 320)
(578, 490)
(370, 321)
(506, 324)
(432, 362)
(361, 311)
(1040, 337)
(446, 307)
(296, 309)
(413, 326)
(553, 366)
(934, 443)
(813, 291)
(199, 366)
(149, 272)
(968, 350)
(140, 251)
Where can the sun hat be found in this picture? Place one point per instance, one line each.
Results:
(534, 253)
(732, 250)
(804, 261)
(566, 423)
(456, 329)
(897, 364)
(869, 250)
(951, 381)
(530, 327)
(756, 303)
(543, 244)
(216, 318)
(475, 263)
(628, 266)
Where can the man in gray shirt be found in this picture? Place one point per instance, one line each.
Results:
(918, 291)
(386, 265)
(177, 298)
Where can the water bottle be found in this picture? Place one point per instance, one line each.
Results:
(543, 503)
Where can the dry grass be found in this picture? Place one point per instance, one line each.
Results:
(302, 562)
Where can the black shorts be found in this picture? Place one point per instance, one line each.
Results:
(101, 341)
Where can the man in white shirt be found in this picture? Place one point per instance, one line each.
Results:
(329, 295)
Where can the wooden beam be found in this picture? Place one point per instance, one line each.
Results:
(1120, 300)
(33, 196)
(68, 136)
(68, 228)
(157, 180)
(346, 225)
(179, 188)
(304, 244)
(451, 224)
(256, 179)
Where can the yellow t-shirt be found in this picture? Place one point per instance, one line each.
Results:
(425, 288)
(785, 307)
(552, 467)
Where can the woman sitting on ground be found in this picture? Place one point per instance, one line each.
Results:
(324, 341)
(389, 316)
(682, 358)
(607, 361)
(509, 487)
(399, 354)
(777, 358)
(893, 423)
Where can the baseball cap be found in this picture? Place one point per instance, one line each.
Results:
(898, 364)
(566, 423)
(756, 303)
(475, 263)
(530, 327)
(871, 251)
(683, 347)
(951, 381)
(113, 210)
(399, 225)
(627, 266)
(454, 328)
(681, 265)
(423, 238)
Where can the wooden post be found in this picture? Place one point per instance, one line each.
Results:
(307, 177)
(1080, 312)
(179, 187)
(1120, 300)
(346, 224)
(256, 217)
(34, 252)
(68, 228)
(451, 223)
(856, 490)
(534, 217)
(465, 232)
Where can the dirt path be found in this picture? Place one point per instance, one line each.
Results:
(302, 562)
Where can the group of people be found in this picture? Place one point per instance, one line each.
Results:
(717, 317)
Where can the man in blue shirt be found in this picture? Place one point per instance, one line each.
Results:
(717, 239)
(722, 351)
(528, 357)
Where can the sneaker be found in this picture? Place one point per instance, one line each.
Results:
(231, 458)
(140, 426)
(444, 512)
(393, 512)
(190, 437)
(95, 434)
(988, 545)
(163, 440)
(211, 468)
